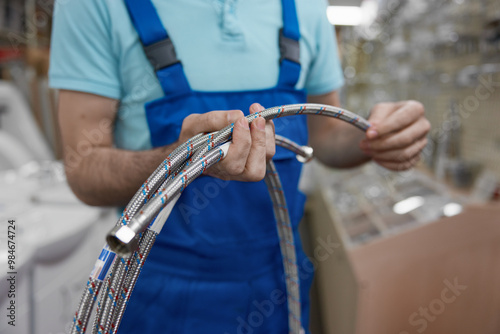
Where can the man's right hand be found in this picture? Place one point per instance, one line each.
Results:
(252, 146)
(101, 174)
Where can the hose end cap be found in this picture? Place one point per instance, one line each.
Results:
(306, 155)
(123, 240)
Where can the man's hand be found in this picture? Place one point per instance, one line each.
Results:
(251, 146)
(100, 174)
(395, 139)
(397, 135)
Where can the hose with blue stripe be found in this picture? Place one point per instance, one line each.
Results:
(134, 235)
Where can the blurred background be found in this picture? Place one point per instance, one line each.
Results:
(401, 253)
(57, 238)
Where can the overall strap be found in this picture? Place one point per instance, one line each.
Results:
(289, 46)
(158, 47)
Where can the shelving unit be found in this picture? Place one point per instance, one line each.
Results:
(420, 52)
(25, 28)
(381, 272)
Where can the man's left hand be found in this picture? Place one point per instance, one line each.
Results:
(397, 134)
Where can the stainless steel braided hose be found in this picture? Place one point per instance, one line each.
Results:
(134, 235)
(124, 239)
(287, 246)
(109, 266)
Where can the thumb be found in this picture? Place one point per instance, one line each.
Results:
(379, 113)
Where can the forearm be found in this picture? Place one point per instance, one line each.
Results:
(335, 143)
(110, 177)
(338, 146)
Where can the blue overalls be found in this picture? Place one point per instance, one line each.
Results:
(216, 266)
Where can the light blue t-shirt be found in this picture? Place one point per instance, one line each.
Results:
(224, 45)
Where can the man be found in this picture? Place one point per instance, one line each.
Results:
(217, 262)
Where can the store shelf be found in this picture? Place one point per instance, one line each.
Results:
(375, 281)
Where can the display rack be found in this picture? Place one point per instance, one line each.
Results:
(421, 51)
(375, 274)
(25, 28)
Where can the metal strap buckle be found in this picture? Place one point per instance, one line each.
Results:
(161, 54)
(289, 48)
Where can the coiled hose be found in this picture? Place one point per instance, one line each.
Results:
(113, 278)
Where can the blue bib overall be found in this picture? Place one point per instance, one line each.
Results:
(216, 266)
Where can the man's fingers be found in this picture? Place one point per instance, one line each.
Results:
(379, 113)
(270, 140)
(235, 161)
(385, 121)
(255, 108)
(210, 121)
(251, 145)
(270, 132)
(398, 140)
(403, 154)
(256, 163)
(399, 166)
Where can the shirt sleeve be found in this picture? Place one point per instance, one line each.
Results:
(82, 58)
(325, 73)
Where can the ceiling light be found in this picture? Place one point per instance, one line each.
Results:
(344, 15)
(364, 14)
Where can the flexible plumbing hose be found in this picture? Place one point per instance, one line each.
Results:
(95, 282)
(339, 114)
(137, 264)
(304, 153)
(287, 246)
(273, 182)
(109, 299)
(125, 237)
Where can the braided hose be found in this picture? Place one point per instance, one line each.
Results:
(134, 235)
(106, 303)
(162, 172)
(136, 266)
(82, 315)
(106, 306)
(124, 239)
(287, 246)
(304, 153)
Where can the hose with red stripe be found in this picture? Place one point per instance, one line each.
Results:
(135, 232)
